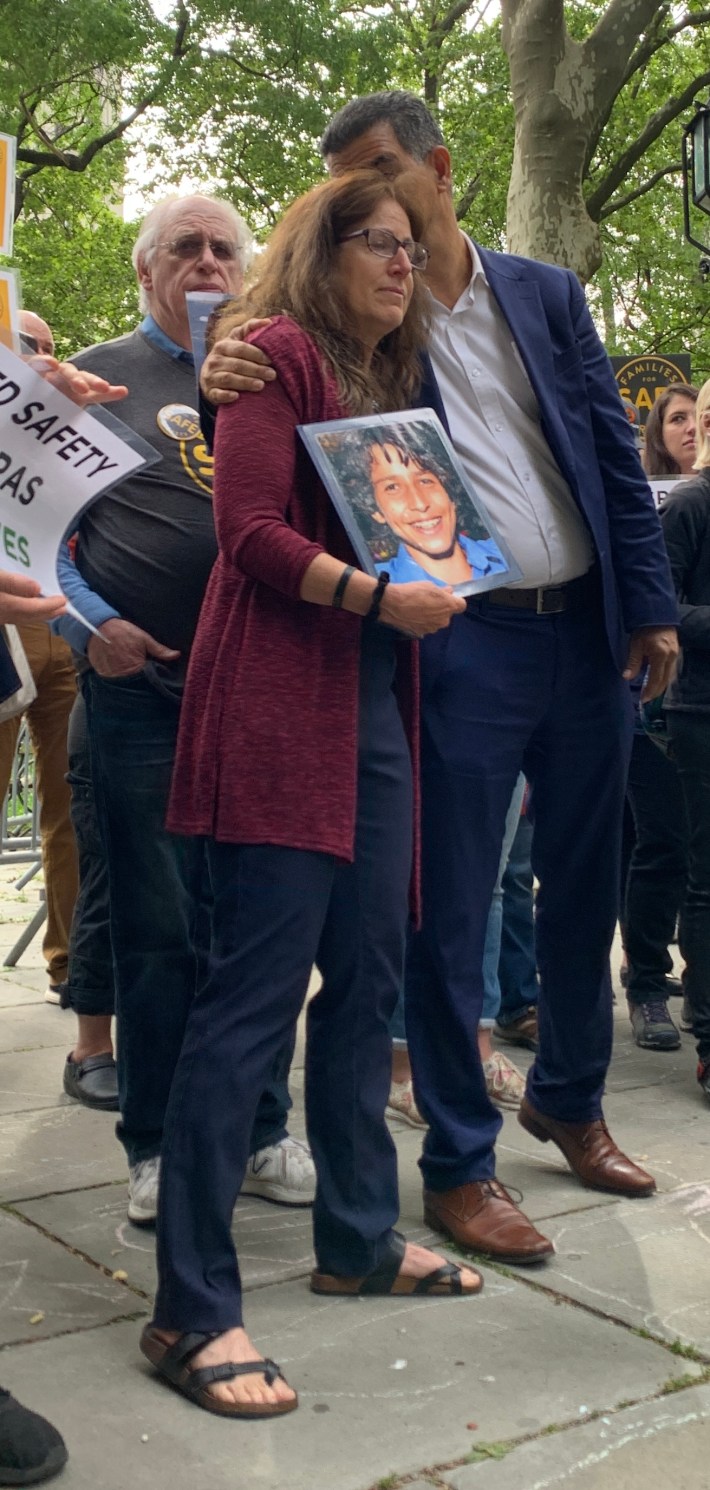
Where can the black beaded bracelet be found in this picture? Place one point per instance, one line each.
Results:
(382, 583)
(341, 587)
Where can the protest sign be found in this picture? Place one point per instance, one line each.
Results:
(55, 459)
(8, 309)
(663, 487)
(7, 192)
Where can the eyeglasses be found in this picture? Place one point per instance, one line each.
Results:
(383, 243)
(192, 245)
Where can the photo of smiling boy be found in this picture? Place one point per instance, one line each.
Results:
(409, 509)
(412, 501)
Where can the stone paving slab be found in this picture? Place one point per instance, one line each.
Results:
(16, 989)
(41, 1281)
(31, 1080)
(386, 1387)
(275, 1242)
(60, 1148)
(642, 1262)
(642, 1448)
(34, 1026)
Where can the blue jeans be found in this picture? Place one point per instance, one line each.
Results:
(155, 881)
(90, 971)
(494, 929)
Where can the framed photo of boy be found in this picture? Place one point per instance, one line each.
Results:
(406, 503)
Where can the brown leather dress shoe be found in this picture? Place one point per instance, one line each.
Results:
(590, 1152)
(481, 1217)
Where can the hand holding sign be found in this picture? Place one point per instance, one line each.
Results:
(21, 600)
(55, 459)
(83, 388)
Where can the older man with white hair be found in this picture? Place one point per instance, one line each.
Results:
(143, 557)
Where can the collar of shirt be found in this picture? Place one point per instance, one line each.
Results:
(154, 333)
(469, 294)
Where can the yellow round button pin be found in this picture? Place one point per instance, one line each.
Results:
(178, 422)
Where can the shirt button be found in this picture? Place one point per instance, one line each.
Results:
(498, 426)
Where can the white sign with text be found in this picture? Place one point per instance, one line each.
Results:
(55, 459)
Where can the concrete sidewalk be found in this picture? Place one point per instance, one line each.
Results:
(592, 1372)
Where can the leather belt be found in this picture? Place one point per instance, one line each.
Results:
(546, 600)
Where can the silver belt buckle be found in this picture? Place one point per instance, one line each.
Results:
(551, 593)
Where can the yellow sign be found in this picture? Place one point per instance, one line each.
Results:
(8, 309)
(7, 192)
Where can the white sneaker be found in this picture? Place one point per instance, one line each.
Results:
(284, 1172)
(143, 1181)
(53, 993)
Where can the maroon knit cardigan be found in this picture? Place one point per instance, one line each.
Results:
(267, 749)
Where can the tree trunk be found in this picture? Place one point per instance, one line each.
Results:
(562, 93)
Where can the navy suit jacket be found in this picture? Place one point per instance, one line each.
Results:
(585, 425)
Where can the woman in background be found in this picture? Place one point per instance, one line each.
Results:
(655, 883)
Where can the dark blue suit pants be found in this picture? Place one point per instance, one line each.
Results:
(507, 690)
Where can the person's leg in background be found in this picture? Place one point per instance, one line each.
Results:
(90, 1073)
(655, 890)
(155, 888)
(505, 1084)
(401, 1103)
(52, 668)
(690, 740)
(517, 966)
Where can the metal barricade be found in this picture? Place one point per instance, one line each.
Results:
(20, 834)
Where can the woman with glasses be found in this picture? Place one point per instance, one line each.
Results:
(686, 528)
(293, 764)
(655, 883)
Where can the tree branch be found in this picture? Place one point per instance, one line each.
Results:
(648, 48)
(469, 196)
(442, 28)
(638, 147)
(73, 161)
(640, 191)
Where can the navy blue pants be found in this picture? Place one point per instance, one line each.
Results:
(276, 912)
(503, 691)
(158, 925)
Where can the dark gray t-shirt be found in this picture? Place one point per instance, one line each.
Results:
(148, 546)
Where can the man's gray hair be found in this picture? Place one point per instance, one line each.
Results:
(409, 118)
(156, 222)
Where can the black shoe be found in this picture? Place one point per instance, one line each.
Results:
(704, 1078)
(652, 1026)
(93, 1081)
(30, 1448)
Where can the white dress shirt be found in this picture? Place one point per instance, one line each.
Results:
(494, 419)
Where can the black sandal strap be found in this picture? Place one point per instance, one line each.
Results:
(381, 1280)
(175, 1360)
(447, 1272)
(229, 1369)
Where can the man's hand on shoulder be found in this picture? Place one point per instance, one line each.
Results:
(654, 647)
(127, 651)
(235, 366)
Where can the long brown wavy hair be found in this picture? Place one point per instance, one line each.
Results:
(655, 457)
(294, 277)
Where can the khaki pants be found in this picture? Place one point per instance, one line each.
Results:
(53, 671)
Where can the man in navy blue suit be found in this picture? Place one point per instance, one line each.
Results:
(531, 677)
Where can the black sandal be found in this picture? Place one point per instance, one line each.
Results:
(172, 1363)
(442, 1282)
